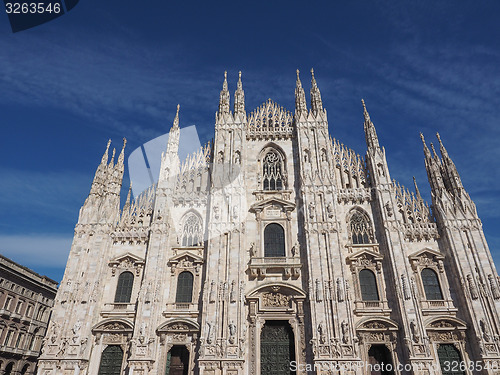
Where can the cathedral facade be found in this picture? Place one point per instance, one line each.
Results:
(277, 250)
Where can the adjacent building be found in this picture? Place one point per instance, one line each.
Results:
(26, 300)
(273, 250)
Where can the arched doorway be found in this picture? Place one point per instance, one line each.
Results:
(449, 359)
(8, 369)
(111, 360)
(177, 361)
(277, 348)
(380, 361)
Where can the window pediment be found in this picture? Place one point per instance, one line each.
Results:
(425, 258)
(364, 258)
(272, 204)
(127, 261)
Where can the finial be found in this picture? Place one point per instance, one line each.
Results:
(363, 102)
(124, 142)
(433, 150)
(439, 139)
(313, 80)
(107, 146)
(240, 84)
(224, 85)
(298, 78)
(422, 138)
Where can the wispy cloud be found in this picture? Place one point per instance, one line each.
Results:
(44, 198)
(35, 251)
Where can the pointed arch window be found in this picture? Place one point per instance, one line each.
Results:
(360, 228)
(368, 285)
(184, 287)
(192, 230)
(274, 241)
(432, 289)
(124, 287)
(272, 171)
(111, 360)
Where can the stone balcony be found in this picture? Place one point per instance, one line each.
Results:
(287, 266)
(118, 309)
(184, 309)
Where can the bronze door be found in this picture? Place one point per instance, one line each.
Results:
(277, 349)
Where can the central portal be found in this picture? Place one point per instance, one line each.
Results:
(277, 348)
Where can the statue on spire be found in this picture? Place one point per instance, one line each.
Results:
(300, 97)
(316, 102)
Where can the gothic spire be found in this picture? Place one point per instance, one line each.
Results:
(121, 157)
(104, 159)
(127, 201)
(370, 132)
(224, 97)
(239, 97)
(175, 124)
(417, 191)
(173, 135)
(111, 163)
(316, 103)
(300, 97)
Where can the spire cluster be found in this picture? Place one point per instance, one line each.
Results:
(224, 99)
(442, 172)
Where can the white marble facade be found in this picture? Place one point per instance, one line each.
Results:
(361, 265)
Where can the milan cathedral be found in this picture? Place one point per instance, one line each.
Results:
(273, 250)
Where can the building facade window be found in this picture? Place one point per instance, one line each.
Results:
(274, 241)
(8, 301)
(272, 171)
(192, 230)
(184, 287)
(368, 285)
(360, 228)
(124, 287)
(431, 285)
(111, 361)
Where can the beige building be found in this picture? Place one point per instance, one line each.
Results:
(26, 300)
(277, 250)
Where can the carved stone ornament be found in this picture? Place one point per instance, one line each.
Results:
(275, 300)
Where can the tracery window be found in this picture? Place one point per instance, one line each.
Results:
(432, 288)
(192, 230)
(184, 287)
(111, 360)
(272, 171)
(368, 285)
(274, 241)
(360, 228)
(124, 287)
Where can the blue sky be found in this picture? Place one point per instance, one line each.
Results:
(115, 69)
